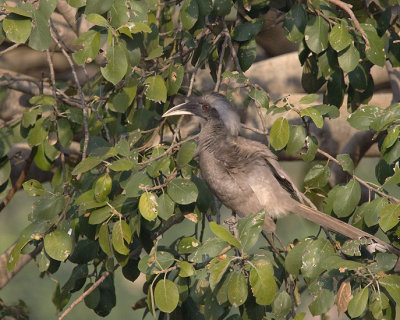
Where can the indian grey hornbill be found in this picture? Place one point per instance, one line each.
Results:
(245, 175)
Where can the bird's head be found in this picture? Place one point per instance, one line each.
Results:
(212, 107)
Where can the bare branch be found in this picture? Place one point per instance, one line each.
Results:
(85, 294)
(362, 182)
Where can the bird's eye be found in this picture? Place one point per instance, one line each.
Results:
(205, 107)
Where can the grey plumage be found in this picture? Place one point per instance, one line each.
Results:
(245, 175)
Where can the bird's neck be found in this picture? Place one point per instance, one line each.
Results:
(214, 137)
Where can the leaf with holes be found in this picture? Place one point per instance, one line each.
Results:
(148, 206)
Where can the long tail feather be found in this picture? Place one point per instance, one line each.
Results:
(337, 225)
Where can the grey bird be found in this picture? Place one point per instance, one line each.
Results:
(246, 176)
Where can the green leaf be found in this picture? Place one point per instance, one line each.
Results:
(39, 132)
(224, 234)
(100, 215)
(281, 305)
(346, 199)
(314, 115)
(348, 58)
(137, 183)
(58, 245)
(166, 295)
(185, 153)
(395, 178)
(375, 50)
(104, 240)
(378, 301)
(358, 78)
(247, 54)
(97, 19)
(90, 42)
(297, 137)
(279, 133)
(322, 303)
(117, 64)
(122, 164)
(185, 269)
(47, 207)
(102, 187)
(260, 97)
(40, 37)
(34, 188)
(148, 206)
(222, 7)
(358, 304)
(121, 101)
(339, 37)
(389, 216)
(188, 245)
(23, 9)
(64, 131)
(247, 30)
(317, 176)
(189, 13)
(391, 138)
(86, 165)
(262, 282)
(182, 191)
(311, 78)
(392, 284)
(98, 6)
(208, 250)
(370, 210)
(250, 228)
(295, 23)
(218, 267)
(314, 256)
(310, 98)
(312, 146)
(237, 289)
(17, 28)
(346, 162)
(156, 89)
(165, 207)
(174, 79)
(293, 259)
(316, 34)
(363, 117)
(121, 232)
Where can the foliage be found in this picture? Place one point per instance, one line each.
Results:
(131, 185)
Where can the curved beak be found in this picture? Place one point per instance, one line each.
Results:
(187, 108)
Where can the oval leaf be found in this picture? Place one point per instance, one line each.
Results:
(166, 295)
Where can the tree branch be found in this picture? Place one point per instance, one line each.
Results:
(347, 7)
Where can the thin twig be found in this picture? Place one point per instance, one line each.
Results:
(82, 98)
(166, 152)
(85, 294)
(10, 48)
(98, 116)
(171, 177)
(233, 51)
(365, 184)
(221, 60)
(347, 7)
